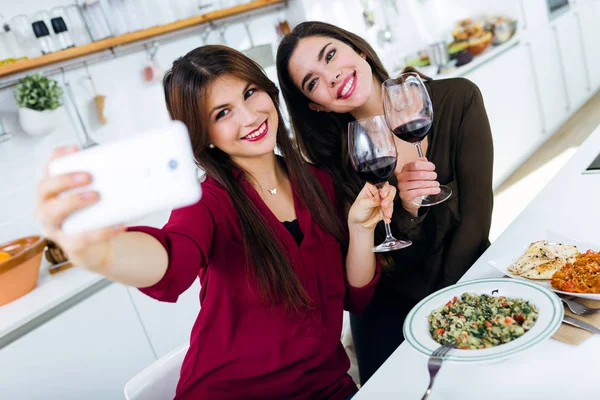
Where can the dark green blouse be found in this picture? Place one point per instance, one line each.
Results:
(449, 237)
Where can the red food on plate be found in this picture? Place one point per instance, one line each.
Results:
(581, 276)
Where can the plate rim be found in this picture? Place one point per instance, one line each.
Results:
(549, 330)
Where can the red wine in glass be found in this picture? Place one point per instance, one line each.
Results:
(372, 152)
(413, 131)
(408, 112)
(376, 171)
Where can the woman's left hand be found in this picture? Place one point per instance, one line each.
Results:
(366, 209)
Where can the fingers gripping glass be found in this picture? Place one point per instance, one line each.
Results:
(373, 154)
(409, 114)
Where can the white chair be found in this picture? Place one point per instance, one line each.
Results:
(159, 380)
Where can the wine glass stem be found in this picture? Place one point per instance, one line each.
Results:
(419, 150)
(388, 232)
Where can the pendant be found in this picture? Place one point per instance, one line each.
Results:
(273, 191)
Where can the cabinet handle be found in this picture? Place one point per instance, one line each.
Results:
(538, 96)
(582, 45)
(563, 70)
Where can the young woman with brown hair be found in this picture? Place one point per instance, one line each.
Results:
(275, 263)
(329, 77)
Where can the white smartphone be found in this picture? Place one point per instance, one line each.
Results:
(134, 177)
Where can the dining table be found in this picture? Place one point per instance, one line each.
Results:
(569, 206)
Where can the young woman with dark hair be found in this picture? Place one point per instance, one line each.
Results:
(276, 264)
(329, 77)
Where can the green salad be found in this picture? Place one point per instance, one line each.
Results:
(478, 321)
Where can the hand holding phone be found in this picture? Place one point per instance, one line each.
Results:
(133, 177)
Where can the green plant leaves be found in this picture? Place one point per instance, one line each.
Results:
(38, 93)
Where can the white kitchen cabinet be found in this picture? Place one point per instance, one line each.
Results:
(587, 14)
(567, 34)
(512, 107)
(89, 352)
(168, 325)
(543, 54)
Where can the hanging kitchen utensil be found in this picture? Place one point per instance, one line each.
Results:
(88, 142)
(368, 13)
(4, 135)
(152, 72)
(282, 29)
(99, 99)
(385, 35)
(262, 54)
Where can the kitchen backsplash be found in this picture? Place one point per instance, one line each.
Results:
(132, 105)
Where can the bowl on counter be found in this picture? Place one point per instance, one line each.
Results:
(503, 31)
(477, 45)
(19, 273)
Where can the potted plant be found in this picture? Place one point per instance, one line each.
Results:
(39, 100)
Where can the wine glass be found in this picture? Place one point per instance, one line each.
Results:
(409, 115)
(373, 155)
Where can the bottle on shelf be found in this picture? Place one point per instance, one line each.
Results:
(62, 33)
(20, 25)
(72, 16)
(95, 19)
(43, 35)
(9, 46)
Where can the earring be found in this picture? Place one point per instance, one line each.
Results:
(317, 110)
(211, 146)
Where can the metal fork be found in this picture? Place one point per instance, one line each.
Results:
(434, 364)
(578, 308)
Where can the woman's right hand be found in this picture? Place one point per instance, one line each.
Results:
(416, 179)
(90, 250)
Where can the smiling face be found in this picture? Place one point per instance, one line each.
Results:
(243, 119)
(331, 74)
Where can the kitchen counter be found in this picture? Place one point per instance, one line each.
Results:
(488, 54)
(52, 295)
(551, 370)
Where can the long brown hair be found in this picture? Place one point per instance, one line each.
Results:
(322, 137)
(185, 87)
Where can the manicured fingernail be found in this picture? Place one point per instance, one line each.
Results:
(87, 195)
(79, 178)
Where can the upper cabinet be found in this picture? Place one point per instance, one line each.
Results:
(587, 14)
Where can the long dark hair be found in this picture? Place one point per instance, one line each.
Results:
(185, 87)
(322, 137)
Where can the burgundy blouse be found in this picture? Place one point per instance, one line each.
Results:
(240, 348)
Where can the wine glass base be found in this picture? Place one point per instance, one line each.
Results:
(433, 199)
(391, 245)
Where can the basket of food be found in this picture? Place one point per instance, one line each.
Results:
(473, 35)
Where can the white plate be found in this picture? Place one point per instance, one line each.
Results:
(505, 259)
(551, 312)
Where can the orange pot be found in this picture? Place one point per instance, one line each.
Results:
(19, 274)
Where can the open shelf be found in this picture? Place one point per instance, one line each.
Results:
(108, 43)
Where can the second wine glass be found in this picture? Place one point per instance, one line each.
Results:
(373, 155)
(409, 114)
